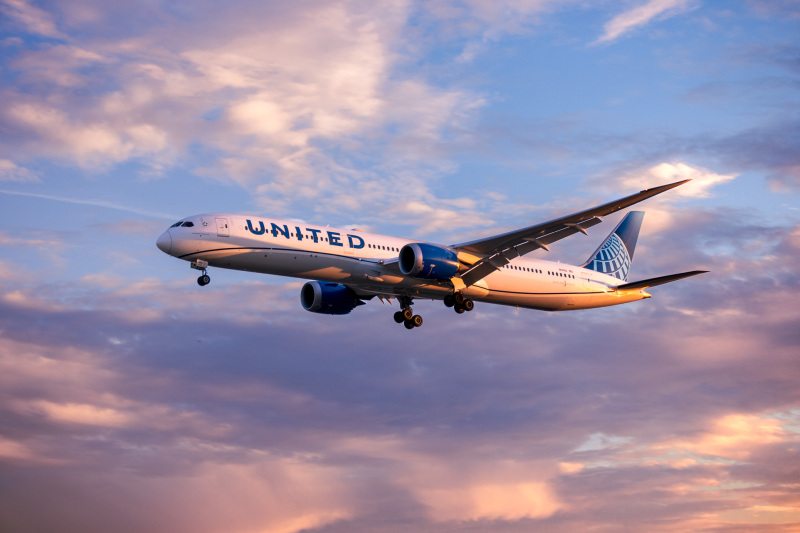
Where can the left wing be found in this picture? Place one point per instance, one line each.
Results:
(491, 254)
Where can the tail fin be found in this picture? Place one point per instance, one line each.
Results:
(614, 256)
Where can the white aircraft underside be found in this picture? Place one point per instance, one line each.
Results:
(349, 266)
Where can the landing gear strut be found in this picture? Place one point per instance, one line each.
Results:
(406, 316)
(199, 264)
(458, 302)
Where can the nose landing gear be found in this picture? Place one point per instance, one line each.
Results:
(406, 316)
(199, 264)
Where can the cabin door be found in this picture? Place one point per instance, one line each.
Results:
(222, 227)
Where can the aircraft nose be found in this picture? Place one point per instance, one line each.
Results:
(164, 242)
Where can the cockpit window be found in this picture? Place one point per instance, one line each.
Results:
(188, 224)
(175, 225)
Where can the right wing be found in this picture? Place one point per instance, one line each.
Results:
(492, 253)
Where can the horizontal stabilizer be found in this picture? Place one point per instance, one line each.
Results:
(652, 282)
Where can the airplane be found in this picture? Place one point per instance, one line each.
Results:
(348, 267)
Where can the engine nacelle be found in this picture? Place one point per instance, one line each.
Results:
(427, 261)
(328, 298)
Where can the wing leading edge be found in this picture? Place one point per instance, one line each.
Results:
(493, 253)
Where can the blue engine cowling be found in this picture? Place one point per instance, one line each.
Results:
(428, 261)
(328, 298)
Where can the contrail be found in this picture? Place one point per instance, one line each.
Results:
(96, 203)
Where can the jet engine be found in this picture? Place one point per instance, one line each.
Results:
(328, 298)
(428, 261)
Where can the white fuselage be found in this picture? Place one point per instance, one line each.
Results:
(367, 263)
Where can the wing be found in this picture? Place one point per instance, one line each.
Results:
(493, 253)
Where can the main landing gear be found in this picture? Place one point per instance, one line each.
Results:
(406, 316)
(458, 302)
(199, 264)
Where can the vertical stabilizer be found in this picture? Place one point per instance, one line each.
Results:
(614, 256)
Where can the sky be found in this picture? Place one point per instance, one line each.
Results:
(131, 399)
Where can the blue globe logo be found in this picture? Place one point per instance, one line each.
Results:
(613, 258)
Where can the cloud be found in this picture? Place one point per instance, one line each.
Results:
(9, 171)
(305, 422)
(60, 64)
(506, 501)
(31, 18)
(481, 24)
(735, 436)
(661, 212)
(120, 386)
(283, 117)
(703, 180)
(96, 144)
(11, 271)
(767, 149)
(642, 15)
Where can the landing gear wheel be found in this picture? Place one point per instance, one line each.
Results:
(408, 314)
(398, 317)
(449, 300)
(409, 324)
(417, 321)
(203, 280)
(459, 309)
(468, 305)
(458, 298)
